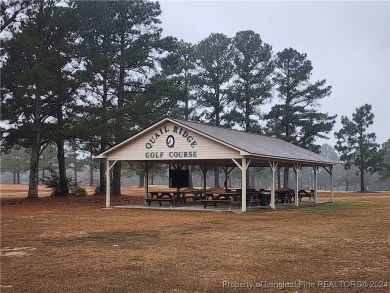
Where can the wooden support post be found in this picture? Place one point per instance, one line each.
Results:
(243, 185)
(243, 168)
(225, 170)
(108, 184)
(146, 183)
(297, 168)
(273, 165)
(331, 183)
(330, 171)
(146, 167)
(315, 169)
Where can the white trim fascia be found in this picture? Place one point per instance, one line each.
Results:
(104, 154)
(284, 159)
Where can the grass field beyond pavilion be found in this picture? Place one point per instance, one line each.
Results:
(73, 244)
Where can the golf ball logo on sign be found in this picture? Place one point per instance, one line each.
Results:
(170, 141)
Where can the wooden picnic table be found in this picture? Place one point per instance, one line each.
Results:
(222, 195)
(304, 193)
(169, 196)
(225, 197)
(259, 198)
(284, 195)
(194, 194)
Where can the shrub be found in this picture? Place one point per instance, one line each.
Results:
(77, 190)
(53, 182)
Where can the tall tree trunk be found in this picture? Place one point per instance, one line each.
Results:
(217, 107)
(17, 172)
(103, 139)
(102, 164)
(33, 178)
(75, 165)
(247, 110)
(217, 122)
(216, 177)
(64, 189)
(362, 185)
(141, 180)
(286, 175)
(60, 142)
(190, 181)
(247, 126)
(116, 180)
(102, 176)
(36, 144)
(91, 169)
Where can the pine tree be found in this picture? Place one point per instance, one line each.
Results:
(179, 68)
(122, 40)
(214, 61)
(35, 86)
(215, 69)
(252, 81)
(357, 146)
(295, 118)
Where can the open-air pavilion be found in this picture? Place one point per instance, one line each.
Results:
(179, 143)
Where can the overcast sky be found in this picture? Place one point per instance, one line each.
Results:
(348, 43)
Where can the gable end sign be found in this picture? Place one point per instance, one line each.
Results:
(173, 137)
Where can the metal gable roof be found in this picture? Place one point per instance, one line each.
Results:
(258, 145)
(250, 144)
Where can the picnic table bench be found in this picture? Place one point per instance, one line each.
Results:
(218, 198)
(259, 199)
(172, 197)
(194, 194)
(231, 202)
(284, 195)
(205, 202)
(159, 200)
(304, 193)
(233, 198)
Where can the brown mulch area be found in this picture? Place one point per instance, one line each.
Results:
(11, 194)
(73, 244)
(74, 200)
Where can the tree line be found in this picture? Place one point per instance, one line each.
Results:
(97, 72)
